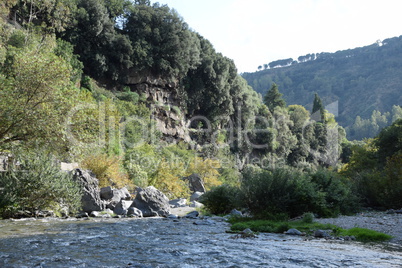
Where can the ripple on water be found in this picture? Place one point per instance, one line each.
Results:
(164, 243)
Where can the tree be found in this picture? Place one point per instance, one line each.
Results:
(389, 141)
(5, 7)
(318, 112)
(51, 15)
(273, 98)
(104, 51)
(162, 42)
(33, 96)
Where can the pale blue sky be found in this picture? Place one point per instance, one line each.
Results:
(254, 32)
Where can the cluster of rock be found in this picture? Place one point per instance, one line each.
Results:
(394, 211)
(320, 234)
(148, 202)
(197, 188)
(104, 202)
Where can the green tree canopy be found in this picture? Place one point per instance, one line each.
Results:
(273, 98)
(162, 42)
(103, 50)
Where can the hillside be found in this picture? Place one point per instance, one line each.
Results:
(362, 80)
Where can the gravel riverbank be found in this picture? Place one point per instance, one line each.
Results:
(379, 221)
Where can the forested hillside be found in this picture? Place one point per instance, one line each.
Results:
(127, 90)
(366, 82)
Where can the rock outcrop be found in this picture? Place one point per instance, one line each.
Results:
(163, 93)
(113, 196)
(178, 203)
(122, 207)
(152, 202)
(195, 183)
(91, 200)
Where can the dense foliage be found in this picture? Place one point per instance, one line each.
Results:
(285, 191)
(361, 80)
(376, 168)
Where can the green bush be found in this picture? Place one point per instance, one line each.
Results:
(128, 96)
(308, 218)
(221, 199)
(336, 192)
(284, 190)
(268, 191)
(37, 184)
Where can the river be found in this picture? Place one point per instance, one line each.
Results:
(157, 242)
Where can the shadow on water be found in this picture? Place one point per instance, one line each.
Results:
(165, 243)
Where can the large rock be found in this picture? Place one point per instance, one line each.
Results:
(196, 196)
(293, 232)
(134, 212)
(152, 202)
(114, 196)
(91, 200)
(178, 203)
(195, 183)
(195, 204)
(122, 207)
(106, 193)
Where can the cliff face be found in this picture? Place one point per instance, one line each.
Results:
(163, 98)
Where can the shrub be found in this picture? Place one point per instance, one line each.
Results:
(38, 184)
(107, 170)
(221, 199)
(337, 194)
(207, 169)
(308, 218)
(284, 190)
(128, 96)
(268, 191)
(167, 178)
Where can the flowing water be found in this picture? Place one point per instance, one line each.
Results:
(157, 242)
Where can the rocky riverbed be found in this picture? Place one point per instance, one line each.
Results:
(385, 222)
(161, 242)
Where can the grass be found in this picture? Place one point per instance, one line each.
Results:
(366, 235)
(271, 226)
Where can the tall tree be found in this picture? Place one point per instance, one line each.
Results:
(273, 98)
(318, 112)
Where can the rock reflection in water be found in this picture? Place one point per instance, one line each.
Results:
(165, 243)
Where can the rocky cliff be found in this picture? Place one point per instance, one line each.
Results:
(164, 100)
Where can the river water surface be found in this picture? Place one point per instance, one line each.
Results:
(157, 242)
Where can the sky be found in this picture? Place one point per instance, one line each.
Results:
(255, 32)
